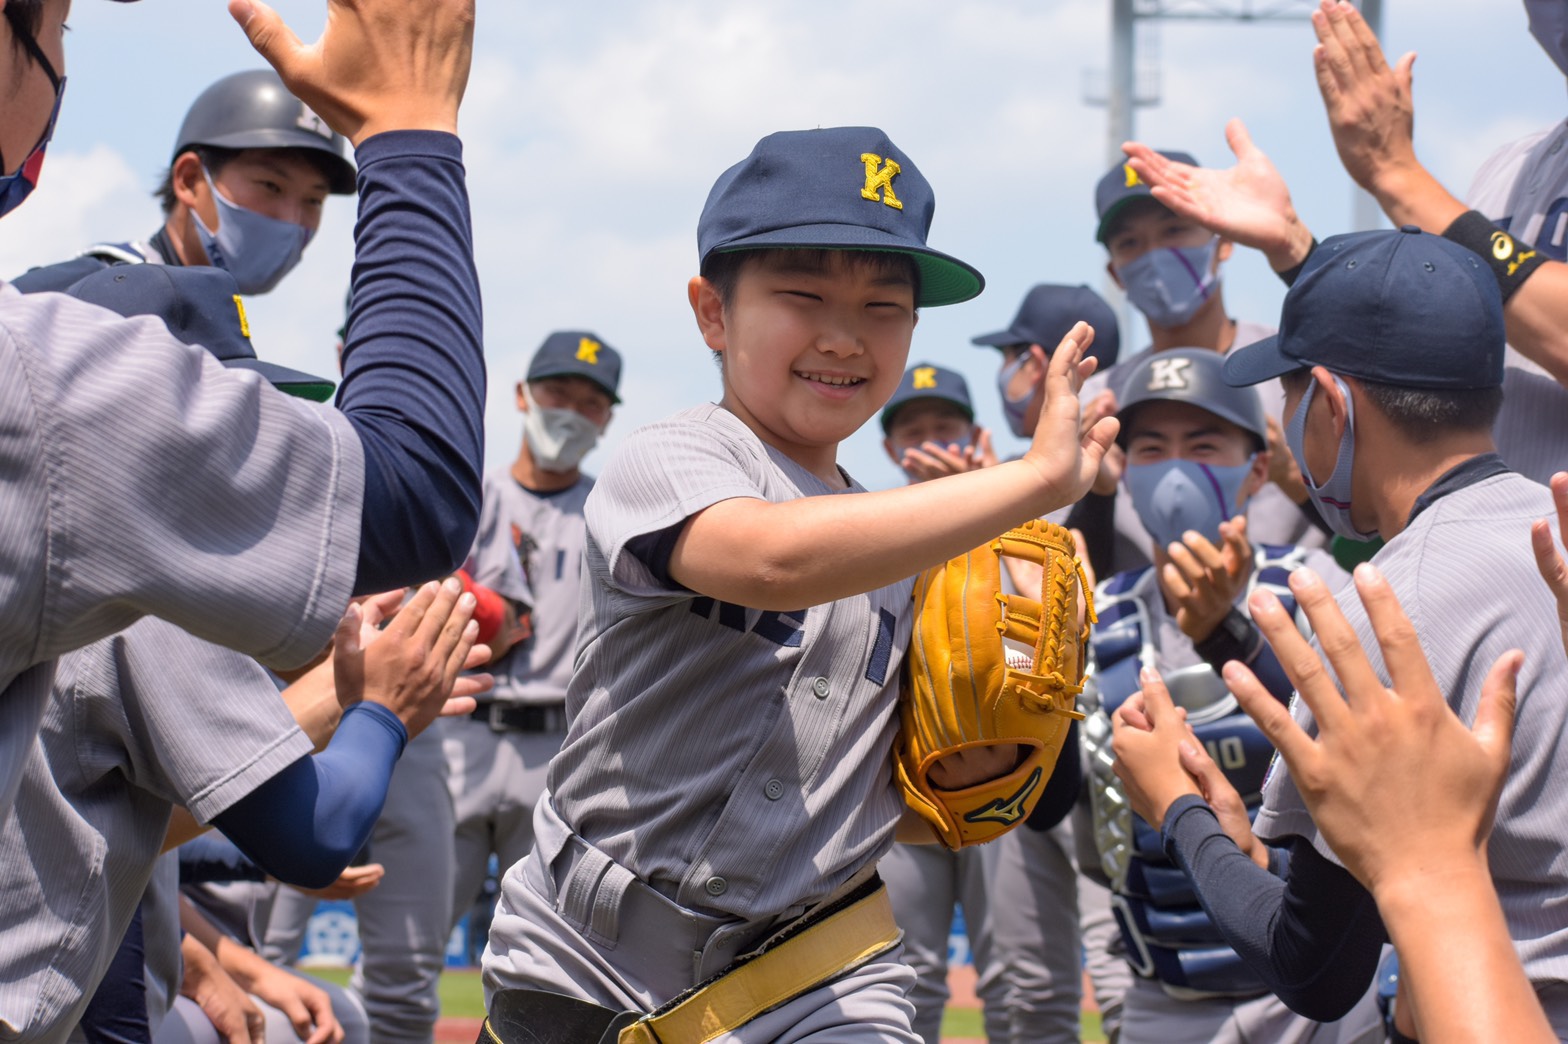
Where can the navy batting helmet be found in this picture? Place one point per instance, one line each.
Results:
(253, 110)
(1190, 375)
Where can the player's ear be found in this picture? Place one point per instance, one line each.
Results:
(892, 454)
(522, 397)
(1116, 278)
(707, 306)
(1223, 251)
(1330, 391)
(1256, 478)
(190, 186)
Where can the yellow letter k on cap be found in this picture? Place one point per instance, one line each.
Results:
(1132, 175)
(880, 179)
(925, 377)
(588, 351)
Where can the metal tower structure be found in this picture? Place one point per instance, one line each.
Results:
(1129, 87)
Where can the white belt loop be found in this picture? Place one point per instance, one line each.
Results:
(576, 901)
(605, 925)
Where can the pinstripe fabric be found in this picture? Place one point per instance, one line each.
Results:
(137, 475)
(739, 761)
(1522, 187)
(530, 549)
(137, 721)
(1465, 574)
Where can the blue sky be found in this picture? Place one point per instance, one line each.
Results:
(593, 133)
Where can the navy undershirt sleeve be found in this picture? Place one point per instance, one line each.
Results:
(303, 825)
(413, 363)
(1061, 789)
(1313, 937)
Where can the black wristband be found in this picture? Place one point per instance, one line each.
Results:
(1288, 277)
(1511, 262)
(1235, 638)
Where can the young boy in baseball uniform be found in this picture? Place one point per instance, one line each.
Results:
(727, 769)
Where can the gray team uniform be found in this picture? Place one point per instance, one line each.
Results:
(245, 534)
(1190, 988)
(725, 768)
(1466, 576)
(530, 551)
(1524, 188)
(147, 719)
(1272, 517)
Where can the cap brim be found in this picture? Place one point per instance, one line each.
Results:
(1257, 362)
(944, 280)
(615, 400)
(1111, 213)
(293, 382)
(999, 339)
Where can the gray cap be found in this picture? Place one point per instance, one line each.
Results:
(1195, 376)
(253, 110)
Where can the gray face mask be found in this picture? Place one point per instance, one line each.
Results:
(255, 249)
(558, 439)
(1549, 26)
(1169, 284)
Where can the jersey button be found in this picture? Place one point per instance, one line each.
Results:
(820, 688)
(774, 789)
(716, 885)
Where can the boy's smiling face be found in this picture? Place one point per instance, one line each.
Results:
(814, 344)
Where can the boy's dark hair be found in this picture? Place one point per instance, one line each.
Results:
(722, 268)
(1425, 413)
(212, 157)
(25, 16)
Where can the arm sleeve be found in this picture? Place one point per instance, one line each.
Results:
(1313, 937)
(413, 363)
(1061, 790)
(303, 825)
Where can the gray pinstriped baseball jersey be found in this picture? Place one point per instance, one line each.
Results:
(136, 722)
(1524, 188)
(530, 549)
(738, 760)
(137, 475)
(1466, 575)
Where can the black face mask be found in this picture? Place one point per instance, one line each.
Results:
(14, 188)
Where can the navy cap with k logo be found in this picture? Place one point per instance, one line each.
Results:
(842, 188)
(1120, 186)
(925, 381)
(578, 353)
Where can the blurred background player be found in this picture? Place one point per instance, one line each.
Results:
(1170, 267)
(1196, 452)
(1058, 924)
(251, 169)
(529, 551)
(930, 427)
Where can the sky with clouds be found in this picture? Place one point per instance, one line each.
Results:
(593, 132)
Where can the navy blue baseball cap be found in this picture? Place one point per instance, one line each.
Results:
(1121, 185)
(925, 381)
(200, 306)
(843, 188)
(1193, 376)
(578, 353)
(1398, 307)
(1049, 311)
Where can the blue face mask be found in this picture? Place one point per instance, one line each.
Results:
(1332, 498)
(1169, 284)
(1173, 496)
(16, 187)
(255, 249)
(1015, 410)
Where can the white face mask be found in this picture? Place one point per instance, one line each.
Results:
(558, 439)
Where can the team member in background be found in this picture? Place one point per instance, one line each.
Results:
(1519, 224)
(1059, 924)
(1196, 451)
(931, 431)
(530, 552)
(1170, 267)
(251, 169)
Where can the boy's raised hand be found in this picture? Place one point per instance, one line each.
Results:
(379, 65)
(1066, 455)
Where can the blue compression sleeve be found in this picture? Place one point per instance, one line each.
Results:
(413, 363)
(303, 825)
(1313, 937)
(1061, 790)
